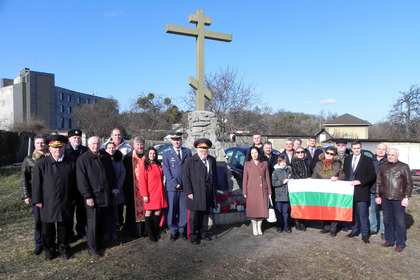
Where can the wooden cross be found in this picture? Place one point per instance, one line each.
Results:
(200, 20)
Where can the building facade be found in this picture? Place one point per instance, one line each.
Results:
(34, 96)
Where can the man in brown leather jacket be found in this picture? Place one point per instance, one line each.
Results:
(393, 189)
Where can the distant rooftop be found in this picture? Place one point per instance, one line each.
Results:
(347, 120)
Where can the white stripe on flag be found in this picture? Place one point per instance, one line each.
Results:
(320, 185)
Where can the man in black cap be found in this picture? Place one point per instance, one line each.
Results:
(74, 149)
(172, 164)
(53, 189)
(342, 151)
(199, 178)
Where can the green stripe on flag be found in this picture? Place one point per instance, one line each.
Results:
(321, 199)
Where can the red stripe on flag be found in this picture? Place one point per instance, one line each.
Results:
(322, 213)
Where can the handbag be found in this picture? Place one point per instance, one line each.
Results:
(271, 214)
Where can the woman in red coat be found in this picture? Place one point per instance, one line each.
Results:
(153, 192)
(256, 188)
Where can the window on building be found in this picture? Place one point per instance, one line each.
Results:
(69, 110)
(69, 123)
(61, 108)
(87, 100)
(62, 123)
(61, 96)
(96, 101)
(68, 97)
(79, 100)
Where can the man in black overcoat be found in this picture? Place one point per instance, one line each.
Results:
(95, 181)
(74, 149)
(359, 169)
(53, 191)
(199, 178)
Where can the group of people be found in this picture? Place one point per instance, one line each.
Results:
(63, 178)
(382, 186)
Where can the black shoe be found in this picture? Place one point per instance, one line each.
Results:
(352, 234)
(66, 255)
(302, 227)
(323, 231)
(280, 229)
(287, 229)
(372, 232)
(94, 253)
(49, 254)
(365, 239)
(184, 235)
(37, 251)
(195, 242)
(174, 237)
(333, 234)
(206, 237)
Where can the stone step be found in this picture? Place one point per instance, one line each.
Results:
(228, 218)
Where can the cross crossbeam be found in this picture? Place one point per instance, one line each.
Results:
(200, 33)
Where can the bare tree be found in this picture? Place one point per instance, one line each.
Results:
(152, 116)
(35, 126)
(230, 98)
(406, 112)
(98, 118)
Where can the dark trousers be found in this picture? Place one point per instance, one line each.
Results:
(394, 221)
(282, 210)
(177, 212)
(50, 233)
(331, 226)
(96, 224)
(80, 210)
(38, 226)
(361, 218)
(198, 222)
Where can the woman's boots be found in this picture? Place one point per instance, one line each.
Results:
(254, 227)
(152, 227)
(259, 230)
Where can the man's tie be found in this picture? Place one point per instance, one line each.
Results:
(179, 154)
(354, 163)
(312, 152)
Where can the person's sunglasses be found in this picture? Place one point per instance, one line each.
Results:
(331, 154)
(300, 152)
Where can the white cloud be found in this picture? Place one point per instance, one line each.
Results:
(112, 14)
(306, 102)
(328, 101)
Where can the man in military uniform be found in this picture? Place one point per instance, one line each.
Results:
(199, 178)
(74, 149)
(53, 190)
(173, 162)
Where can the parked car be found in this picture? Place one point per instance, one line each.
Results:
(161, 148)
(235, 158)
(415, 174)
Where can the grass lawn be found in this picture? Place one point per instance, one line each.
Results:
(234, 254)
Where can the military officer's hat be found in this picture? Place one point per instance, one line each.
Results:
(175, 135)
(203, 143)
(74, 132)
(56, 140)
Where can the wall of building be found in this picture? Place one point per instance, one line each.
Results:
(348, 132)
(6, 107)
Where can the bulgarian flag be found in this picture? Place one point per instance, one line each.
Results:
(321, 199)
